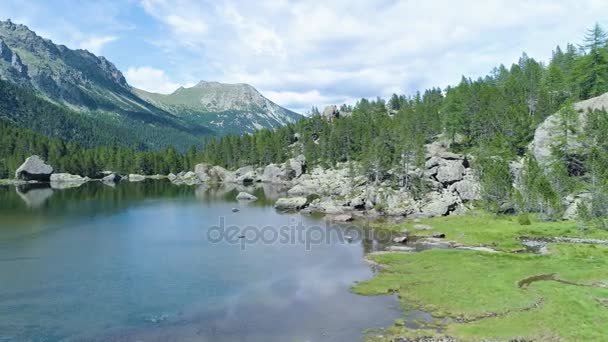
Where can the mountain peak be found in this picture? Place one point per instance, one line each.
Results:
(234, 108)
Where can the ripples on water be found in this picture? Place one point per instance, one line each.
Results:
(133, 262)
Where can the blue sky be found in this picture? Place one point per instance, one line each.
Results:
(304, 53)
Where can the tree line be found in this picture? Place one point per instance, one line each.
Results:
(492, 118)
(16, 144)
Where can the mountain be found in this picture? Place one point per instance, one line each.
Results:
(228, 108)
(80, 97)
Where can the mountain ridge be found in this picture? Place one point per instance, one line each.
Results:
(82, 83)
(212, 103)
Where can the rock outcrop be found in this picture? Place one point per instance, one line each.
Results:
(34, 169)
(550, 133)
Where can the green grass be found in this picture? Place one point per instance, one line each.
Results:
(498, 232)
(476, 296)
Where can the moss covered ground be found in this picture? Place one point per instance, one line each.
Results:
(476, 296)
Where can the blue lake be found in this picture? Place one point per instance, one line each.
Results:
(138, 262)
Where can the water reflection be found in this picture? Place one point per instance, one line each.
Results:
(132, 263)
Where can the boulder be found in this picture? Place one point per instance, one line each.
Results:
(400, 239)
(439, 204)
(450, 171)
(299, 190)
(298, 165)
(245, 196)
(66, 177)
(111, 178)
(292, 203)
(171, 177)
(188, 178)
(246, 175)
(549, 133)
(219, 174)
(274, 174)
(201, 171)
(34, 169)
(66, 180)
(468, 189)
(136, 178)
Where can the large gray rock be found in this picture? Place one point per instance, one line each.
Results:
(246, 174)
(201, 172)
(111, 178)
(439, 204)
(450, 171)
(467, 189)
(274, 174)
(67, 177)
(219, 174)
(550, 133)
(136, 178)
(66, 180)
(245, 196)
(190, 178)
(292, 203)
(298, 165)
(34, 168)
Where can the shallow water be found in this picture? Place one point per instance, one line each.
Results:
(139, 262)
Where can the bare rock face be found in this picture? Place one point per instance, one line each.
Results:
(549, 133)
(34, 168)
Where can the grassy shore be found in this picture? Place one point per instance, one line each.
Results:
(476, 296)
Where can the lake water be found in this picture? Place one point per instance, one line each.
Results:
(142, 261)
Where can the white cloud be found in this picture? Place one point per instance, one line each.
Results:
(150, 79)
(96, 44)
(307, 53)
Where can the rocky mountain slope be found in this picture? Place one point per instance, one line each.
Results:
(227, 108)
(84, 91)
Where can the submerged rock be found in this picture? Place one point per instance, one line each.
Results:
(34, 168)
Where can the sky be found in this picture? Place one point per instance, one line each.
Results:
(304, 53)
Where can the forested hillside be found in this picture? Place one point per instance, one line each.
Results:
(491, 118)
(16, 144)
